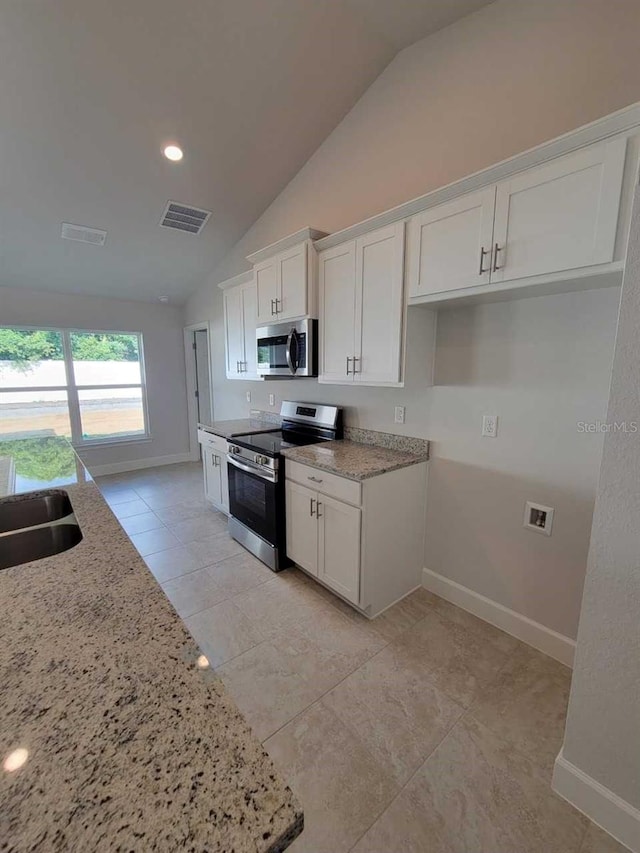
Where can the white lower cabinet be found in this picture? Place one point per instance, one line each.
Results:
(214, 466)
(365, 541)
(302, 526)
(339, 546)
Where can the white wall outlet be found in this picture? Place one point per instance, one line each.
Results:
(490, 426)
(399, 416)
(538, 518)
(272, 399)
(248, 396)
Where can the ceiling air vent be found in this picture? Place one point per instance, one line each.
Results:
(184, 218)
(83, 234)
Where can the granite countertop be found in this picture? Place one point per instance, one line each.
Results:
(131, 744)
(353, 460)
(242, 426)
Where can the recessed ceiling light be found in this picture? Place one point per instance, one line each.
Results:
(172, 152)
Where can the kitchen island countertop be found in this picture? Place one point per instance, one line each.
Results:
(132, 741)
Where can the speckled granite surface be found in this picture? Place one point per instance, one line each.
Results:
(404, 443)
(131, 745)
(353, 460)
(241, 426)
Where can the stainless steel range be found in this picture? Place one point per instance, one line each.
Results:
(257, 517)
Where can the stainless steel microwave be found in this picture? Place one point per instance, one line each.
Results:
(288, 349)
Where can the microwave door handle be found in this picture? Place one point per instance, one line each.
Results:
(293, 336)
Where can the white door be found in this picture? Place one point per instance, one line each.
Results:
(302, 526)
(449, 246)
(337, 283)
(292, 283)
(265, 278)
(379, 305)
(339, 547)
(234, 331)
(203, 381)
(212, 463)
(559, 216)
(249, 314)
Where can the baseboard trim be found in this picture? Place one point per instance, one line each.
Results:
(599, 804)
(533, 633)
(138, 464)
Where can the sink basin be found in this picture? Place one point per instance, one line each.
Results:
(28, 545)
(41, 509)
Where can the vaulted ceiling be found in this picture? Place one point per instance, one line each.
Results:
(90, 92)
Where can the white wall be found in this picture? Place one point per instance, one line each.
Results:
(161, 327)
(502, 80)
(602, 737)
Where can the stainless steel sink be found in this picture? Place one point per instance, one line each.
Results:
(39, 542)
(30, 512)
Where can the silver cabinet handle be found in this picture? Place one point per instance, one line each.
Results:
(355, 358)
(318, 510)
(495, 267)
(311, 503)
(314, 479)
(278, 308)
(273, 307)
(484, 252)
(348, 360)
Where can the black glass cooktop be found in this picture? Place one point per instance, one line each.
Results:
(272, 443)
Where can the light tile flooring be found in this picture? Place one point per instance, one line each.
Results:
(425, 730)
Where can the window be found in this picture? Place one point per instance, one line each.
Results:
(86, 385)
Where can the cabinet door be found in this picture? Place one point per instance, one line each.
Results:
(337, 283)
(249, 315)
(234, 331)
(560, 216)
(302, 526)
(212, 463)
(292, 283)
(265, 276)
(339, 547)
(449, 246)
(379, 305)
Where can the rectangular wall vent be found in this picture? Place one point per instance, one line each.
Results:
(83, 234)
(182, 217)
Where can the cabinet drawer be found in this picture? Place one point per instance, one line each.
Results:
(214, 442)
(324, 482)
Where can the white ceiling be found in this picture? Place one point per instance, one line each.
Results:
(91, 91)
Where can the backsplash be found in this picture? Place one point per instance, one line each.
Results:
(405, 443)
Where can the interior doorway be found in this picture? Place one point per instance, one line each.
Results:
(197, 347)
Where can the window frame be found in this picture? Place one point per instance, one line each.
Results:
(71, 388)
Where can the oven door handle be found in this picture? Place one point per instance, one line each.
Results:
(293, 335)
(264, 474)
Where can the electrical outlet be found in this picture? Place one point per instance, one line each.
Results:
(490, 426)
(538, 518)
(399, 416)
(248, 396)
(272, 399)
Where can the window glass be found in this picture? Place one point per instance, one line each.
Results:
(105, 358)
(32, 414)
(111, 413)
(31, 358)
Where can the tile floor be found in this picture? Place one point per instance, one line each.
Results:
(425, 730)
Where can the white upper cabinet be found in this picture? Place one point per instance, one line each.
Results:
(337, 285)
(240, 331)
(379, 306)
(362, 309)
(449, 246)
(559, 216)
(285, 278)
(266, 291)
